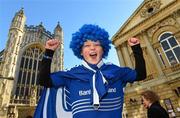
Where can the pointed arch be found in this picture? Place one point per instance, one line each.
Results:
(28, 69)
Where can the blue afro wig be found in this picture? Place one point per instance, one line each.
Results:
(93, 33)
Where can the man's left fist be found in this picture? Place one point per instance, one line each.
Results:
(133, 41)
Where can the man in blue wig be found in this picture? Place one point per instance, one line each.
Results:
(94, 89)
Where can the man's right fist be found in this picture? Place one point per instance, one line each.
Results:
(52, 44)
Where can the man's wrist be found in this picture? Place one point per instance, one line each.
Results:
(48, 54)
(136, 48)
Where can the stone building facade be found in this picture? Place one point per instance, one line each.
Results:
(157, 24)
(19, 66)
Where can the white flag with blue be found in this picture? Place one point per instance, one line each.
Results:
(53, 104)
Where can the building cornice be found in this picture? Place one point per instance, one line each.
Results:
(168, 10)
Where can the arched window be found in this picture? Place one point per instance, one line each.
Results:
(29, 68)
(170, 47)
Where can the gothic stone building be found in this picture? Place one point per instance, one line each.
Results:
(157, 24)
(19, 66)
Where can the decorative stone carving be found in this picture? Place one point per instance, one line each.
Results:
(166, 22)
(33, 96)
(151, 31)
(2, 87)
(151, 7)
(176, 14)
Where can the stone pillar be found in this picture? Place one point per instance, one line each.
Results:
(5, 92)
(152, 53)
(126, 55)
(120, 57)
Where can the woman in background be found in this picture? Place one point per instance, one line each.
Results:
(151, 103)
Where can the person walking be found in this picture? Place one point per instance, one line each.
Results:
(151, 102)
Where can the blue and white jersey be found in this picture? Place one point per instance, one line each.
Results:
(94, 93)
(80, 87)
(110, 105)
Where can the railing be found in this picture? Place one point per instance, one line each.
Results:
(20, 100)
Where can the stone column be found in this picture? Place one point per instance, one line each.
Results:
(126, 55)
(5, 93)
(152, 53)
(120, 57)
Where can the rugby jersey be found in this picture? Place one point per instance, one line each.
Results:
(80, 92)
(78, 86)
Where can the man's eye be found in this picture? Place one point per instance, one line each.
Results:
(97, 45)
(86, 45)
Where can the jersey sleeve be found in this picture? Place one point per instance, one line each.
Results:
(59, 79)
(124, 74)
(127, 75)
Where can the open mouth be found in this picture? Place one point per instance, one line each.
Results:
(93, 55)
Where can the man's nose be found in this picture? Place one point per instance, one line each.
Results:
(92, 47)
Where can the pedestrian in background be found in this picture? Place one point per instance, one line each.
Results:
(151, 102)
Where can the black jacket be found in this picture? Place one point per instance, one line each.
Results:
(157, 111)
